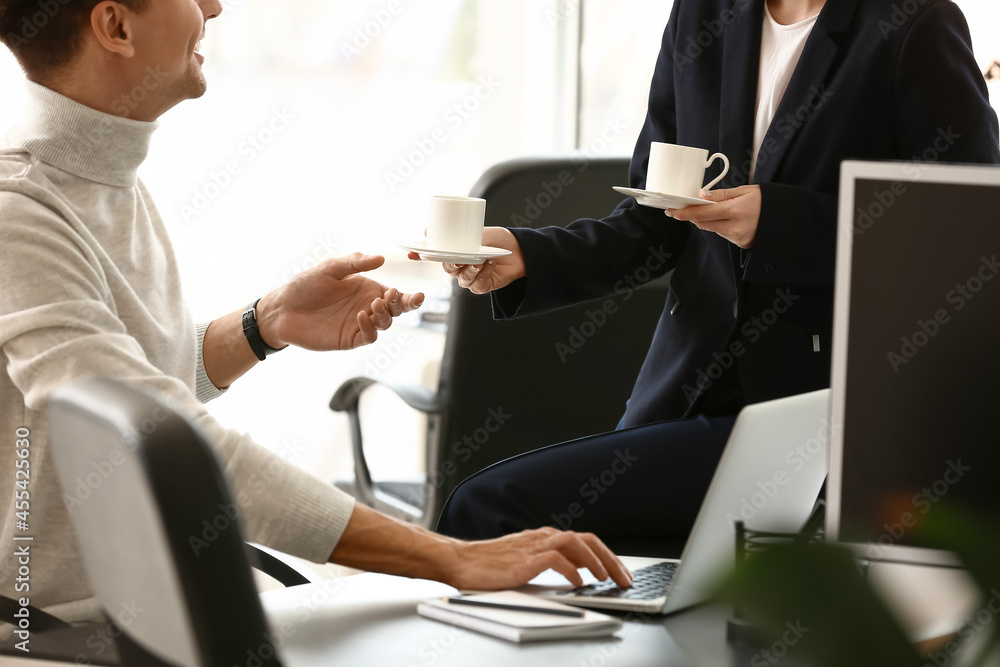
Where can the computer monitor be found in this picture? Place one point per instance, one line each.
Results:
(916, 354)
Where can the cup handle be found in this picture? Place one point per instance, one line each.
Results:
(725, 169)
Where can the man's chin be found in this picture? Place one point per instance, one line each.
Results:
(197, 88)
(190, 92)
(200, 92)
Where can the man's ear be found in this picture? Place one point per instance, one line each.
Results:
(111, 23)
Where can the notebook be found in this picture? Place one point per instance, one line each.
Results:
(519, 626)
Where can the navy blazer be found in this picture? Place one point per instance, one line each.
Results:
(877, 80)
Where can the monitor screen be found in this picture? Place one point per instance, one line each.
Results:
(916, 368)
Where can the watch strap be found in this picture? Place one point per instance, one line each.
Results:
(252, 333)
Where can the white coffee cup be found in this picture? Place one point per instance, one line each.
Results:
(680, 170)
(456, 223)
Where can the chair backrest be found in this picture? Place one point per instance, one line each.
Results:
(512, 386)
(157, 528)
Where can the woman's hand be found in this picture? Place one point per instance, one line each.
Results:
(494, 273)
(734, 217)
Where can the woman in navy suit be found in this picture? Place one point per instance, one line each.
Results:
(787, 89)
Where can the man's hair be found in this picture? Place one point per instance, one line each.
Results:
(44, 35)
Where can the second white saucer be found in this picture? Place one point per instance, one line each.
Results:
(660, 200)
(431, 255)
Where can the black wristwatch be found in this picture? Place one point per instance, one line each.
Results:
(250, 330)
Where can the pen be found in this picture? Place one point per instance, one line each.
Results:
(516, 607)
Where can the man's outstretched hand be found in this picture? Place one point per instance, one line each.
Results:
(332, 307)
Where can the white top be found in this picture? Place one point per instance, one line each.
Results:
(780, 49)
(91, 287)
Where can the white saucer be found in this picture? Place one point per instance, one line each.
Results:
(429, 254)
(660, 200)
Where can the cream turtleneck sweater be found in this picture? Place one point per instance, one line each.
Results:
(89, 286)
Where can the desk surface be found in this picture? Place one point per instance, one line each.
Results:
(371, 620)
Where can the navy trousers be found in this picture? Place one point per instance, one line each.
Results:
(638, 489)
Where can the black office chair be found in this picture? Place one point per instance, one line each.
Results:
(505, 387)
(200, 607)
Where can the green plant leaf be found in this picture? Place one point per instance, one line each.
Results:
(818, 590)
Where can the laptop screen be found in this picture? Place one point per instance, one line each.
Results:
(916, 369)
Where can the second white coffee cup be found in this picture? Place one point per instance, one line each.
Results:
(680, 170)
(456, 223)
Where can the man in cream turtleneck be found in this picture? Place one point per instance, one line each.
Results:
(91, 287)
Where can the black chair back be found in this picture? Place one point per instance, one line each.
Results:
(508, 387)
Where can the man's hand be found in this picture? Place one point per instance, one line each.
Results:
(331, 307)
(513, 560)
(495, 273)
(375, 542)
(735, 217)
(328, 307)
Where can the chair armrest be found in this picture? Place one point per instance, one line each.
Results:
(417, 396)
(346, 399)
(279, 566)
(40, 620)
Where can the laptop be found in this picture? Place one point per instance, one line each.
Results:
(769, 477)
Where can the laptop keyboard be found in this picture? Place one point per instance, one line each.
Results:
(648, 583)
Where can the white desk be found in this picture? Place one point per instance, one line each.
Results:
(371, 620)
